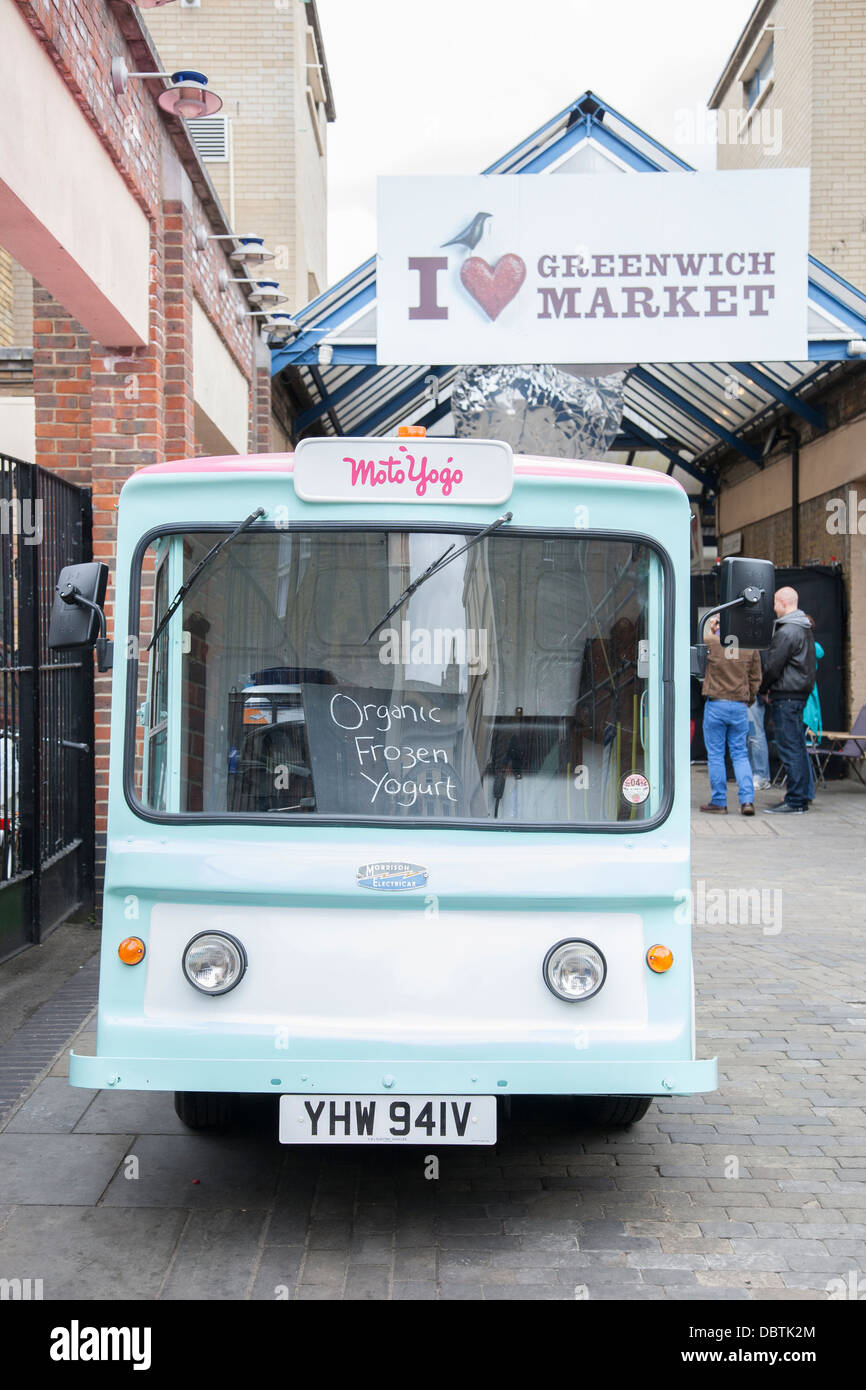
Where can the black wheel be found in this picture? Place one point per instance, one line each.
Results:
(615, 1112)
(213, 1110)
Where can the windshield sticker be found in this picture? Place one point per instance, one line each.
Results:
(635, 788)
(389, 876)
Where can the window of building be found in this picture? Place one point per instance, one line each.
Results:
(759, 79)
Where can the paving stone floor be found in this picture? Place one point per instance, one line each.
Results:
(756, 1192)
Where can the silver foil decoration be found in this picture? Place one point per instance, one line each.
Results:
(539, 409)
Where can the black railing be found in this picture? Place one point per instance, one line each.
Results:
(46, 712)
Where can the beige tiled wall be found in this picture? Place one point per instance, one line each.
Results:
(815, 116)
(6, 317)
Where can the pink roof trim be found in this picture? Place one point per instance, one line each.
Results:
(226, 463)
(524, 466)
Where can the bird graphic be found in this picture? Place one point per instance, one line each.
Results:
(471, 235)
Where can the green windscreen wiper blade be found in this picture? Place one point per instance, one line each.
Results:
(188, 583)
(444, 559)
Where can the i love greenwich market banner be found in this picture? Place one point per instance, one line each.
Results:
(587, 268)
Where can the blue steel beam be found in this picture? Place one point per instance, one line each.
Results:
(629, 125)
(600, 133)
(814, 416)
(824, 300)
(588, 121)
(436, 414)
(661, 388)
(650, 442)
(320, 408)
(840, 279)
(833, 350)
(398, 402)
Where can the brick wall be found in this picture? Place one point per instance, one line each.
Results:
(103, 412)
(842, 462)
(770, 538)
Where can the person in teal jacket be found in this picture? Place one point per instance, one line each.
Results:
(812, 707)
(812, 712)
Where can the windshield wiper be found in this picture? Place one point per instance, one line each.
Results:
(188, 583)
(444, 559)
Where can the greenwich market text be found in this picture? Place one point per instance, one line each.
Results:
(688, 297)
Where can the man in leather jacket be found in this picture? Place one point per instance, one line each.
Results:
(789, 674)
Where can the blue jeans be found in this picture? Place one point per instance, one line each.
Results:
(791, 743)
(726, 722)
(756, 742)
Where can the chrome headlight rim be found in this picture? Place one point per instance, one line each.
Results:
(223, 936)
(574, 941)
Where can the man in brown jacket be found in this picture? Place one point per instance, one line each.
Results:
(730, 686)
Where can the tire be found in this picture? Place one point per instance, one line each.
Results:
(614, 1112)
(206, 1110)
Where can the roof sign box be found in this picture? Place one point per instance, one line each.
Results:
(699, 267)
(474, 471)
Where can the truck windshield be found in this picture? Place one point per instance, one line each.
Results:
(519, 685)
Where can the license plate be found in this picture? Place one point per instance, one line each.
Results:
(387, 1119)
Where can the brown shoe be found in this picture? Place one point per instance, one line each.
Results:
(715, 810)
(747, 809)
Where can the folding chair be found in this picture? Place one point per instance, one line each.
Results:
(813, 749)
(853, 745)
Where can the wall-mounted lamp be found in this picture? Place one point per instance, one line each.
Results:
(241, 314)
(252, 249)
(281, 329)
(187, 97)
(268, 291)
(268, 294)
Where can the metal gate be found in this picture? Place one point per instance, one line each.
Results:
(46, 712)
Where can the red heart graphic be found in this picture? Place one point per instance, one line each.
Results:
(493, 288)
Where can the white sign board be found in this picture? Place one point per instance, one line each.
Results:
(403, 470)
(703, 267)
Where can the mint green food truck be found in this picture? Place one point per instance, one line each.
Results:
(398, 817)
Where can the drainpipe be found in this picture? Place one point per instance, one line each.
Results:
(792, 438)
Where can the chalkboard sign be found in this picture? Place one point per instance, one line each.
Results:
(391, 753)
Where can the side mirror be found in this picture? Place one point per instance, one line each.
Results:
(747, 589)
(750, 623)
(77, 619)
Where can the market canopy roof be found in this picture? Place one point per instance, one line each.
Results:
(686, 412)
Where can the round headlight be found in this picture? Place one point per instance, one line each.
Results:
(574, 970)
(214, 962)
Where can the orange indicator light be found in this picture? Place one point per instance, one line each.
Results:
(412, 432)
(659, 959)
(131, 950)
